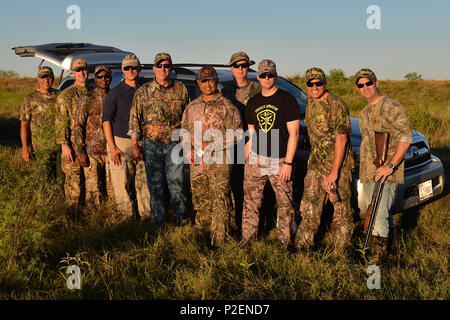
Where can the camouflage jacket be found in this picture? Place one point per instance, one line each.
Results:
(66, 106)
(39, 110)
(89, 138)
(156, 111)
(218, 114)
(325, 120)
(386, 115)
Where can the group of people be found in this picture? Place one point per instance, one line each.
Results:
(121, 142)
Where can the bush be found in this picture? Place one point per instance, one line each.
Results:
(413, 76)
(8, 74)
(336, 75)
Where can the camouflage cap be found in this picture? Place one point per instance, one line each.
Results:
(365, 73)
(315, 73)
(207, 73)
(267, 66)
(238, 56)
(102, 68)
(130, 61)
(79, 63)
(45, 71)
(163, 57)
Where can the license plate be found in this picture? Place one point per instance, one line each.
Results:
(425, 190)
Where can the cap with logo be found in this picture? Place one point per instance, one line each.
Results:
(315, 73)
(79, 63)
(130, 61)
(207, 73)
(238, 56)
(267, 65)
(365, 73)
(45, 71)
(162, 56)
(102, 68)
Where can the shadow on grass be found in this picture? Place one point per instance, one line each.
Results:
(10, 132)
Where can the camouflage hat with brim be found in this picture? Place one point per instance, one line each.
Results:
(207, 73)
(365, 73)
(315, 73)
(267, 65)
(238, 56)
(130, 61)
(102, 68)
(45, 71)
(162, 57)
(79, 63)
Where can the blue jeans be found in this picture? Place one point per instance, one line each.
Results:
(158, 164)
(383, 220)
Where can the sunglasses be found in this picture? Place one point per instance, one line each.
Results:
(128, 68)
(81, 69)
(312, 84)
(244, 65)
(267, 75)
(165, 66)
(103, 77)
(361, 85)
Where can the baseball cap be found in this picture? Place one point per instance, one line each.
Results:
(207, 73)
(130, 61)
(163, 57)
(267, 65)
(365, 73)
(102, 68)
(315, 73)
(238, 56)
(79, 63)
(45, 71)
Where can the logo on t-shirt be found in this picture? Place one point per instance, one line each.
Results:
(266, 115)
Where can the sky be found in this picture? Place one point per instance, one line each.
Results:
(296, 35)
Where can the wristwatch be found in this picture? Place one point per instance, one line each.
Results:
(391, 166)
(288, 163)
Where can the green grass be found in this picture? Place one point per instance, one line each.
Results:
(40, 236)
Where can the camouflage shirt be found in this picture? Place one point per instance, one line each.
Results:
(66, 106)
(325, 120)
(156, 111)
(219, 114)
(386, 115)
(89, 138)
(39, 110)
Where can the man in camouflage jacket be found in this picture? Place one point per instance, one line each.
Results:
(330, 164)
(210, 176)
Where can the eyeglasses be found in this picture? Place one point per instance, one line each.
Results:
(206, 80)
(81, 69)
(165, 66)
(267, 75)
(361, 85)
(244, 65)
(128, 68)
(312, 84)
(103, 77)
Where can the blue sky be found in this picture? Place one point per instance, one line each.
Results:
(414, 35)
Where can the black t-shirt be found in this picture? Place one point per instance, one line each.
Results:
(268, 114)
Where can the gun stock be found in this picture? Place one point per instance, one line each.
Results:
(368, 217)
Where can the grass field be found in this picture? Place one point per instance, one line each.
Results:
(40, 237)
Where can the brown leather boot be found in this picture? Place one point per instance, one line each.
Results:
(378, 250)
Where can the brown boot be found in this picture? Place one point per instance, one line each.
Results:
(378, 250)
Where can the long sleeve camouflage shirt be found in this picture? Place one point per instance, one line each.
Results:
(325, 120)
(156, 111)
(218, 114)
(39, 110)
(89, 138)
(66, 106)
(386, 115)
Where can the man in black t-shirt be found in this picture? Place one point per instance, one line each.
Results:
(273, 122)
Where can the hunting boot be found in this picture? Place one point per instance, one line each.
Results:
(378, 250)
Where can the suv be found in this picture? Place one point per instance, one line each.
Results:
(424, 173)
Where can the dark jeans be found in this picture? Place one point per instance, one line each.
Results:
(161, 169)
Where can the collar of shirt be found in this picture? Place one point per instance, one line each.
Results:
(216, 97)
(158, 86)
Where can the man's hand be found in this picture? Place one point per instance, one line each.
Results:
(382, 173)
(83, 160)
(137, 154)
(26, 156)
(329, 180)
(115, 154)
(67, 152)
(285, 172)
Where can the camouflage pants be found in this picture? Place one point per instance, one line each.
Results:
(254, 181)
(311, 208)
(211, 197)
(73, 182)
(98, 180)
